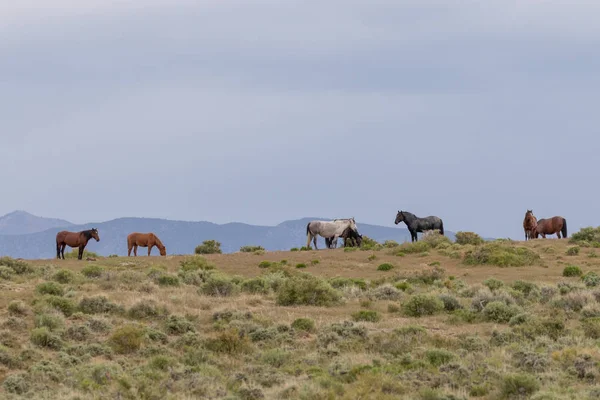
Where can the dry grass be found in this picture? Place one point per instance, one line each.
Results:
(242, 346)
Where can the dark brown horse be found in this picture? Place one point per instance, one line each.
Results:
(529, 224)
(351, 239)
(74, 239)
(149, 240)
(551, 226)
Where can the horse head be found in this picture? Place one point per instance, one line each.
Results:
(399, 217)
(95, 235)
(353, 224)
(163, 250)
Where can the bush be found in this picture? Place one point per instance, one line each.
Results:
(573, 251)
(64, 276)
(497, 311)
(78, 333)
(586, 237)
(572, 270)
(518, 385)
(73, 254)
(17, 384)
(167, 280)
(98, 305)
(18, 266)
(127, 339)
(208, 247)
(493, 284)
(591, 279)
(369, 244)
(468, 238)
(366, 315)
(49, 288)
(451, 303)
(178, 325)
(306, 289)
(229, 342)
(251, 249)
(304, 324)
(66, 306)
(43, 337)
(413, 248)
(591, 327)
(17, 308)
(385, 267)
(529, 289)
(147, 309)
(92, 271)
(218, 286)
(195, 263)
(385, 292)
(339, 282)
(301, 266)
(434, 239)
(390, 244)
(423, 304)
(437, 357)
(255, 286)
(6, 272)
(52, 322)
(265, 264)
(502, 255)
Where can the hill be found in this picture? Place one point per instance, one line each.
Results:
(181, 237)
(21, 222)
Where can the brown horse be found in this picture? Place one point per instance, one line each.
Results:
(551, 226)
(529, 224)
(149, 240)
(74, 239)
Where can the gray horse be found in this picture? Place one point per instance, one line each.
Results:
(328, 229)
(351, 239)
(416, 224)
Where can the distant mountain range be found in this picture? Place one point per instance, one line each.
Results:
(28, 236)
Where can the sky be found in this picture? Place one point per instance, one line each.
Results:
(270, 110)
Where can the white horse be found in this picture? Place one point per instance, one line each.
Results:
(328, 229)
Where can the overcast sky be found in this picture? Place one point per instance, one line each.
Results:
(263, 111)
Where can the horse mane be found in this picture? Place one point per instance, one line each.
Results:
(158, 242)
(87, 233)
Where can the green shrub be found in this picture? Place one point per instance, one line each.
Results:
(468, 238)
(304, 324)
(385, 267)
(50, 321)
(49, 288)
(591, 327)
(17, 383)
(92, 271)
(98, 305)
(451, 303)
(586, 237)
(265, 264)
(366, 315)
(74, 254)
(218, 286)
(493, 284)
(78, 333)
(497, 311)
(229, 342)
(251, 249)
(6, 272)
(428, 276)
(434, 239)
(306, 289)
(423, 304)
(314, 262)
(66, 306)
(208, 247)
(518, 385)
(437, 357)
(301, 266)
(294, 249)
(501, 254)
(572, 270)
(573, 251)
(413, 248)
(255, 286)
(340, 282)
(385, 292)
(529, 289)
(404, 286)
(167, 280)
(17, 308)
(390, 244)
(195, 263)
(43, 337)
(127, 339)
(18, 266)
(147, 309)
(178, 325)
(591, 279)
(64, 276)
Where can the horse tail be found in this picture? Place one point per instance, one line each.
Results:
(564, 228)
(307, 229)
(441, 227)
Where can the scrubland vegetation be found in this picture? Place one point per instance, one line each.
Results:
(428, 320)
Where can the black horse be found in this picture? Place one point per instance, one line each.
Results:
(416, 224)
(351, 239)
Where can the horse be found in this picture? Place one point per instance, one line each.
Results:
(149, 240)
(328, 229)
(416, 224)
(351, 239)
(551, 226)
(529, 224)
(74, 239)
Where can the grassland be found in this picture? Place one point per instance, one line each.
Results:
(435, 320)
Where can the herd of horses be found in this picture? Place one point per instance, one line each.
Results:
(344, 228)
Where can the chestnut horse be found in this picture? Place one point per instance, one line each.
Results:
(529, 224)
(551, 226)
(74, 239)
(149, 240)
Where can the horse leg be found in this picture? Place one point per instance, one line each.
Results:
(135, 250)
(62, 250)
(80, 257)
(129, 250)
(149, 250)
(58, 250)
(315, 242)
